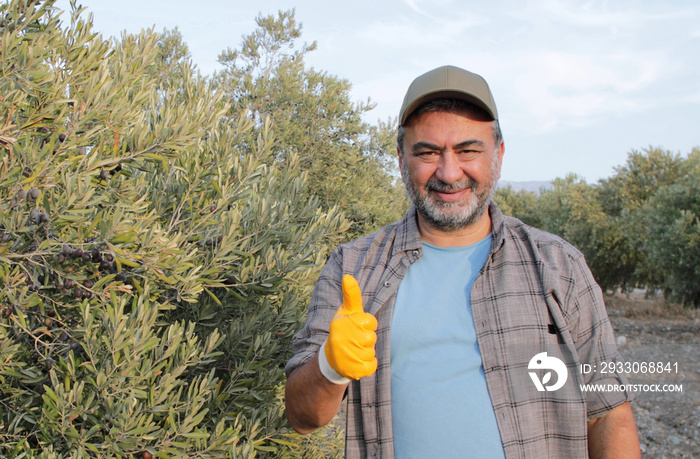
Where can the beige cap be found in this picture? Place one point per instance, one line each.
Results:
(448, 82)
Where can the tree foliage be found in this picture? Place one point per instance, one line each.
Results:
(152, 263)
(639, 178)
(637, 229)
(573, 210)
(519, 204)
(672, 219)
(316, 120)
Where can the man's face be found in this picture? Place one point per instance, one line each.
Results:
(450, 167)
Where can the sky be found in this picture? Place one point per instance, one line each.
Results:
(578, 84)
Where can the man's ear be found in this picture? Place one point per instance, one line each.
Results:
(501, 151)
(400, 156)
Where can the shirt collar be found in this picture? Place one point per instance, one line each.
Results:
(498, 224)
(408, 236)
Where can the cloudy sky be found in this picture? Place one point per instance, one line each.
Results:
(578, 84)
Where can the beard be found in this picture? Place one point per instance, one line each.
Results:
(452, 216)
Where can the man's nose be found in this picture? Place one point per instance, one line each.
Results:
(449, 169)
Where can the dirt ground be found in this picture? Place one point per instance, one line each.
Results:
(649, 330)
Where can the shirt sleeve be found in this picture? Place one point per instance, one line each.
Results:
(595, 343)
(326, 298)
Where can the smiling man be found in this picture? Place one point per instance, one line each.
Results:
(417, 324)
(450, 162)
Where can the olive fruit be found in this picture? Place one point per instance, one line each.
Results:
(5, 238)
(76, 347)
(61, 137)
(21, 194)
(77, 253)
(34, 193)
(67, 250)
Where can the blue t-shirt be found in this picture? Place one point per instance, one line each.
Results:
(439, 399)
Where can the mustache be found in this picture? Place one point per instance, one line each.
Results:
(438, 185)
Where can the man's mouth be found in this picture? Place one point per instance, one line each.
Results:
(450, 193)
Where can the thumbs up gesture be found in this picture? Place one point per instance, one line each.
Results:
(349, 349)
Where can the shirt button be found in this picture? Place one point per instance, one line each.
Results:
(387, 284)
(416, 253)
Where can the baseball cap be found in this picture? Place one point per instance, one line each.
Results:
(448, 82)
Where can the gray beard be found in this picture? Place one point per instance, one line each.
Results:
(452, 216)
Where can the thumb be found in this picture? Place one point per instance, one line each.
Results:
(352, 296)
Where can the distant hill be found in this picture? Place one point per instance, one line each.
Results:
(527, 186)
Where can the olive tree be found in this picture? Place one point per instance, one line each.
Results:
(152, 262)
(671, 218)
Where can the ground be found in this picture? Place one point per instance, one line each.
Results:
(649, 330)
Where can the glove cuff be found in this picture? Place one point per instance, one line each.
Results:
(327, 370)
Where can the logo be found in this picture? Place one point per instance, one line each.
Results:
(543, 362)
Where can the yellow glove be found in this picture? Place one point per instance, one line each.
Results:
(349, 349)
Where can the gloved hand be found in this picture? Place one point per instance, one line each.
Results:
(349, 349)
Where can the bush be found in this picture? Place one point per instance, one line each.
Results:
(150, 270)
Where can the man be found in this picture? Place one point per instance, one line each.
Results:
(435, 309)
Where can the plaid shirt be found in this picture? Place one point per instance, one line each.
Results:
(534, 290)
